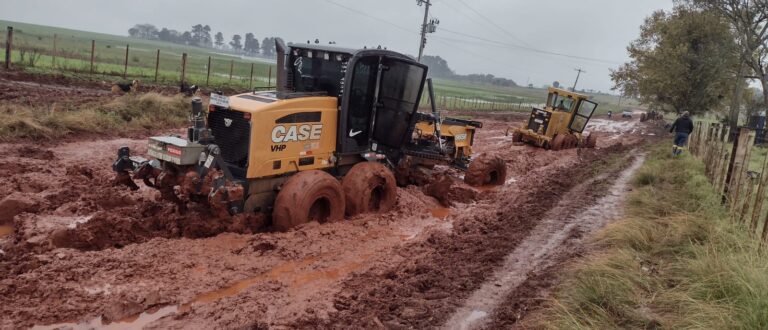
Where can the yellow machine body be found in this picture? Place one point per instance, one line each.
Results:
(462, 135)
(288, 135)
(565, 113)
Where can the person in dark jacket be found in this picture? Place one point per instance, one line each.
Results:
(682, 127)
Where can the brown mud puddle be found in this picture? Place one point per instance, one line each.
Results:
(441, 213)
(295, 275)
(5, 230)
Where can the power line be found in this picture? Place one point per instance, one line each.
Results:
(371, 16)
(489, 41)
(493, 23)
(531, 49)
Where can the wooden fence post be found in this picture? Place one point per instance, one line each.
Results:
(741, 162)
(760, 198)
(250, 84)
(93, 53)
(750, 182)
(8, 48)
(157, 64)
(231, 68)
(125, 70)
(183, 67)
(208, 75)
(53, 57)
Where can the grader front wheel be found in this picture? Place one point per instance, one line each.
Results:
(559, 142)
(308, 196)
(486, 170)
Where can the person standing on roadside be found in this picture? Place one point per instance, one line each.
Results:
(682, 127)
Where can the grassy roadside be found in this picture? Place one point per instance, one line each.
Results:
(675, 262)
(129, 113)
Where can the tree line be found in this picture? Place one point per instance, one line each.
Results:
(200, 36)
(700, 56)
(438, 68)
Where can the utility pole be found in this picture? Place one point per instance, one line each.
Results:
(577, 78)
(426, 27)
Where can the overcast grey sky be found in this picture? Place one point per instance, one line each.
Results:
(499, 40)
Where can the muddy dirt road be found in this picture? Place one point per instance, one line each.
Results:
(78, 253)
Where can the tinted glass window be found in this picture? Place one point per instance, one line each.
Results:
(312, 73)
(399, 95)
(587, 108)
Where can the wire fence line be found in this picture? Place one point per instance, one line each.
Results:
(93, 58)
(727, 158)
(169, 65)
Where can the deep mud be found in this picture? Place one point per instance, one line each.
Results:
(77, 252)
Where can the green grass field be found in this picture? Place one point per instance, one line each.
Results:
(73, 52)
(676, 262)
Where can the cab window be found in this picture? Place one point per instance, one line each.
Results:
(313, 73)
(585, 111)
(564, 104)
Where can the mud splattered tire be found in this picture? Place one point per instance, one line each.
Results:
(369, 187)
(517, 137)
(559, 142)
(486, 170)
(571, 141)
(308, 196)
(591, 141)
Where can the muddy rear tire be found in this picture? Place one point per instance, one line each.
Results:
(369, 187)
(308, 196)
(486, 170)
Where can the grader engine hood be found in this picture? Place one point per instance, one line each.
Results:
(268, 136)
(539, 121)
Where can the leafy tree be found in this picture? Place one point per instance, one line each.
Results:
(219, 40)
(438, 67)
(197, 34)
(268, 47)
(206, 37)
(235, 43)
(682, 61)
(186, 38)
(251, 45)
(748, 20)
(144, 31)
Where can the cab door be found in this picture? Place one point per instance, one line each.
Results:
(397, 100)
(580, 119)
(378, 109)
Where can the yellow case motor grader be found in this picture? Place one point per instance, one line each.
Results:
(327, 143)
(560, 124)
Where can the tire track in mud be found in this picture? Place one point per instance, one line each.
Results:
(550, 243)
(423, 283)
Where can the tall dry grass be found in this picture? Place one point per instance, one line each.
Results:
(128, 113)
(675, 262)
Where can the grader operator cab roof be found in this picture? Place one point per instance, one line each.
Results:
(578, 105)
(563, 100)
(378, 91)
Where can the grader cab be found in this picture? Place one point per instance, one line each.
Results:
(560, 125)
(325, 144)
